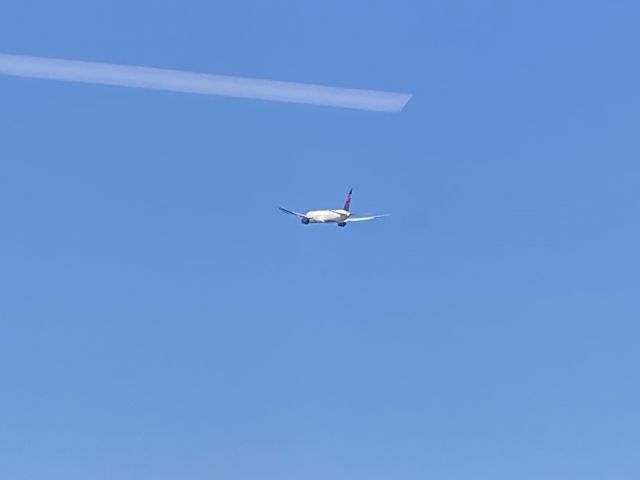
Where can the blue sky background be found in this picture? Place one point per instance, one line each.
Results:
(159, 318)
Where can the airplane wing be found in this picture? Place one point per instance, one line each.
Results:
(364, 219)
(290, 212)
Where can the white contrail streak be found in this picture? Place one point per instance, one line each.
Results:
(190, 82)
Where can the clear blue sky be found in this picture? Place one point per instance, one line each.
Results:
(159, 318)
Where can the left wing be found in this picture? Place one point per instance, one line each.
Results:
(291, 212)
(364, 219)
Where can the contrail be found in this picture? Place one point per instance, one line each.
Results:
(207, 84)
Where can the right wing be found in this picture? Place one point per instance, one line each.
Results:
(364, 219)
(290, 212)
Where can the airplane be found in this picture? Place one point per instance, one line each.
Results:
(341, 217)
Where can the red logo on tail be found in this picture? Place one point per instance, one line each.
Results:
(347, 202)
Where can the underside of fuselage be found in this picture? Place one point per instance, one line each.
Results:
(326, 216)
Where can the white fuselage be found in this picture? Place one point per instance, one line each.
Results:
(327, 216)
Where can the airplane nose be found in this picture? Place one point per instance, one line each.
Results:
(305, 220)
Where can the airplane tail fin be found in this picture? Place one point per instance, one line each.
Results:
(347, 202)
